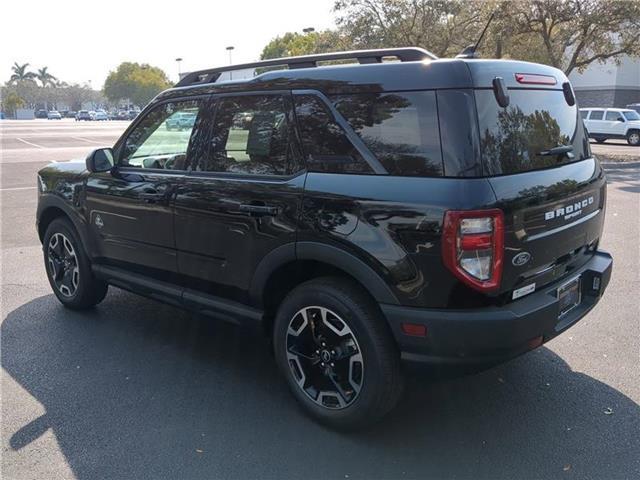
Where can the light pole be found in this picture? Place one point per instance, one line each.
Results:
(229, 49)
(308, 30)
(178, 60)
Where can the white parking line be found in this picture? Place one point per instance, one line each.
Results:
(29, 143)
(17, 188)
(87, 140)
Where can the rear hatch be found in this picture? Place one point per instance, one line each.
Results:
(537, 159)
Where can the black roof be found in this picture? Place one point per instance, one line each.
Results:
(376, 76)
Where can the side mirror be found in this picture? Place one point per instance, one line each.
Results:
(100, 160)
(620, 119)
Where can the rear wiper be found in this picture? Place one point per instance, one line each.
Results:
(559, 150)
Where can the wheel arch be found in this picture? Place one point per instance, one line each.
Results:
(51, 207)
(291, 264)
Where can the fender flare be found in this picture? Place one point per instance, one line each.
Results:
(48, 201)
(325, 253)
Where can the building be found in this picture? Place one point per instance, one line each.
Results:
(608, 84)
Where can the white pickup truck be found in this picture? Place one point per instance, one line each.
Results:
(605, 123)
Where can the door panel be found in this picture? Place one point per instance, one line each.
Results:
(225, 226)
(131, 218)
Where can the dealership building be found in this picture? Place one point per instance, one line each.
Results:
(608, 84)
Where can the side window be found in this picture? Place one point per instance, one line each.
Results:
(250, 135)
(161, 140)
(584, 114)
(325, 144)
(612, 115)
(401, 129)
(596, 115)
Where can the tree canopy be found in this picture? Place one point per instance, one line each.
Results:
(136, 82)
(567, 34)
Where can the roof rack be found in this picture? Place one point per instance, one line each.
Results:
(409, 54)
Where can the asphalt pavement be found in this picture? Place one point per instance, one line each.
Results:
(139, 390)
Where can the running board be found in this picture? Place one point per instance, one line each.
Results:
(192, 300)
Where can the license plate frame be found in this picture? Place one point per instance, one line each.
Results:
(569, 296)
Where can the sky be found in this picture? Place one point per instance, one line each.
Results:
(81, 41)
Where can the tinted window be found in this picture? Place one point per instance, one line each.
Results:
(514, 138)
(250, 135)
(459, 133)
(584, 114)
(613, 116)
(400, 129)
(325, 144)
(162, 138)
(596, 115)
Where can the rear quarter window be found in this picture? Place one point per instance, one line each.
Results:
(597, 115)
(400, 129)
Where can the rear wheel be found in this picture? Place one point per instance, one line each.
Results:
(68, 268)
(600, 140)
(633, 138)
(337, 353)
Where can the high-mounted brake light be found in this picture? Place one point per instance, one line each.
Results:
(473, 247)
(534, 79)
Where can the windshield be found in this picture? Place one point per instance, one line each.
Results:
(631, 115)
(518, 138)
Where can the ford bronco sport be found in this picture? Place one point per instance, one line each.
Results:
(362, 215)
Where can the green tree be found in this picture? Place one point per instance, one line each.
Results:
(572, 34)
(293, 44)
(45, 77)
(20, 73)
(11, 103)
(136, 82)
(567, 34)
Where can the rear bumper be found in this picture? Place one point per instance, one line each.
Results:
(495, 334)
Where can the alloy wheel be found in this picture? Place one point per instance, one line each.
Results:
(324, 357)
(63, 264)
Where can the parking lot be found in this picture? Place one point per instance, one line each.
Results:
(137, 389)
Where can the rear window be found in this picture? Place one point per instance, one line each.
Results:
(401, 129)
(515, 139)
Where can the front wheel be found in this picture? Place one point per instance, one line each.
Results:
(69, 269)
(337, 353)
(633, 138)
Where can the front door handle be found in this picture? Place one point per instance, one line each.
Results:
(257, 209)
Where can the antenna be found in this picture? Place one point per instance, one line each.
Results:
(470, 51)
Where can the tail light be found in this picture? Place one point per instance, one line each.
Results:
(473, 247)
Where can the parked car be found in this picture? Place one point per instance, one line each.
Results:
(605, 123)
(181, 121)
(100, 115)
(54, 115)
(41, 113)
(83, 115)
(634, 106)
(70, 114)
(359, 227)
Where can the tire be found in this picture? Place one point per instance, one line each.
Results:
(353, 345)
(69, 269)
(633, 138)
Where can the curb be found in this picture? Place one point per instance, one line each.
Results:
(620, 164)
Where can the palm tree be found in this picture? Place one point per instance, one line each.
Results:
(45, 77)
(20, 73)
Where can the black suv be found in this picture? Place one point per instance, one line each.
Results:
(363, 215)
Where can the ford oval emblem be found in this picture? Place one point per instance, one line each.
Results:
(521, 258)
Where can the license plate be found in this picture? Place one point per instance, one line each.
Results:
(569, 296)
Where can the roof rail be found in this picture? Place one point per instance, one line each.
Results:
(408, 54)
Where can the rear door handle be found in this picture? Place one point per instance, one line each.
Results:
(258, 210)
